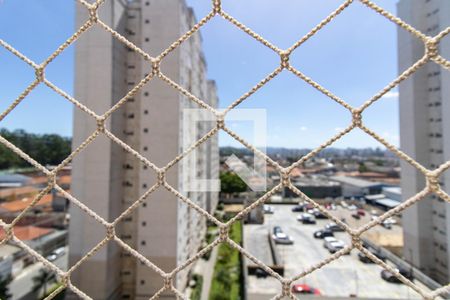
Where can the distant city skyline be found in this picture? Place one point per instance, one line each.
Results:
(354, 62)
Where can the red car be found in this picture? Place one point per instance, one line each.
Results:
(304, 289)
(361, 212)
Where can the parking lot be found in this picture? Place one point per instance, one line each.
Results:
(341, 278)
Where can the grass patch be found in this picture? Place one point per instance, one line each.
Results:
(197, 290)
(226, 282)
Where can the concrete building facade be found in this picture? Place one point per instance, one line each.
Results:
(107, 179)
(425, 136)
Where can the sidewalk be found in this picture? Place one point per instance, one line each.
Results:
(205, 268)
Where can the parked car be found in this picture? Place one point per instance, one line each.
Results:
(356, 216)
(352, 207)
(55, 254)
(328, 239)
(304, 289)
(298, 208)
(280, 237)
(390, 277)
(334, 246)
(386, 225)
(268, 209)
(260, 273)
(319, 215)
(391, 221)
(306, 218)
(365, 259)
(320, 234)
(361, 212)
(334, 227)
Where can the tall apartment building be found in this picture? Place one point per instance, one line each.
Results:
(107, 179)
(425, 135)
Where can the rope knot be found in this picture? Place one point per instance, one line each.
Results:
(432, 47)
(161, 177)
(220, 121)
(433, 182)
(223, 233)
(356, 241)
(110, 231)
(285, 288)
(93, 15)
(284, 57)
(40, 73)
(51, 179)
(101, 123)
(357, 117)
(156, 66)
(168, 282)
(285, 179)
(217, 6)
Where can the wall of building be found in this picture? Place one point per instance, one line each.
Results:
(109, 180)
(423, 136)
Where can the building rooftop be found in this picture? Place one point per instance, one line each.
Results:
(27, 233)
(354, 181)
(374, 197)
(19, 205)
(13, 180)
(315, 181)
(389, 203)
(393, 189)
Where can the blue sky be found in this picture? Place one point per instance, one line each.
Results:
(354, 57)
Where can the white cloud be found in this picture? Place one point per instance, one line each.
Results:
(303, 128)
(391, 95)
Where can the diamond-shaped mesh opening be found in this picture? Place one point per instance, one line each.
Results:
(255, 62)
(287, 92)
(350, 59)
(43, 19)
(23, 76)
(35, 104)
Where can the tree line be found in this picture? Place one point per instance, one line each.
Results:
(47, 149)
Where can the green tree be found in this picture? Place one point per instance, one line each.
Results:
(41, 281)
(4, 288)
(362, 168)
(230, 183)
(47, 149)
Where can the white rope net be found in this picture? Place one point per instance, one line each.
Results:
(431, 54)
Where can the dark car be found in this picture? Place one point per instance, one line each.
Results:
(390, 277)
(320, 234)
(334, 227)
(365, 259)
(356, 216)
(319, 215)
(298, 208)
(260, 273)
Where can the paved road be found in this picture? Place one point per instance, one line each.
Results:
(23, 282)
(343, 277)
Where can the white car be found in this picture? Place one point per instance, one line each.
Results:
(334, 247)
(352, 207)
(328, 239)
(390, 221)
(307, 218)
(280, 237)
(268, 209)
